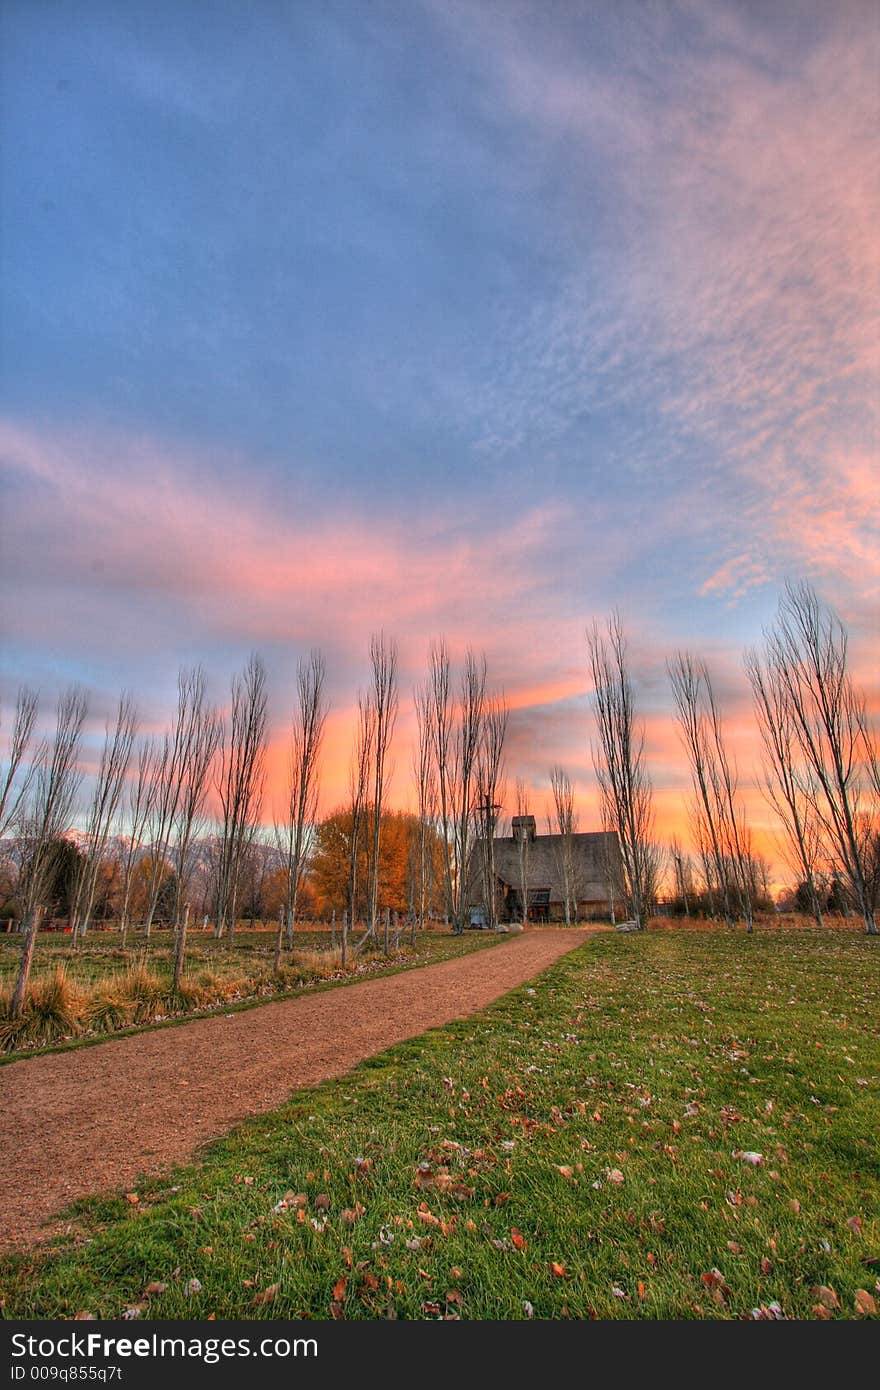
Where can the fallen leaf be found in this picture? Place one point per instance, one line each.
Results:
(155, 1288)
(267, 1295)
(827, 1297)
(518, 1239)
(133, 1198)
(865, 1303)
(191, 1287)
(339, 1289)
(769, 1312)
(614, 1175)
(558, 1269)
(855, 1224)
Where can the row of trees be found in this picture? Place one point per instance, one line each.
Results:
(819, 771)
(154, 801)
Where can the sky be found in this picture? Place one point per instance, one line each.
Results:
(437, 317)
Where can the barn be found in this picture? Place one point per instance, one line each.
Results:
(587, 865)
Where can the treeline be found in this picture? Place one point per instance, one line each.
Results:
(177, 824)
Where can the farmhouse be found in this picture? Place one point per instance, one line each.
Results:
(585, 868)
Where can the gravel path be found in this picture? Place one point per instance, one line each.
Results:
(94, 1119)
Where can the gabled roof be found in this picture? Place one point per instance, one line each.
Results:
(591, 854)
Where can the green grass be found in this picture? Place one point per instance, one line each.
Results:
(571, 1152)
(215, 978)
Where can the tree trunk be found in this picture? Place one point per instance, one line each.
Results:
(180, 947)
(279, 941)
(19, 994)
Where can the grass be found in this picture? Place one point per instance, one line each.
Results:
(81, 996)
(572, 1152)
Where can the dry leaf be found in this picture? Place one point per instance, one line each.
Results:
(855, 1224)
(518, 1239)
(267, 1295)
(339, 1289)
(865, 1303)
(827, 1297)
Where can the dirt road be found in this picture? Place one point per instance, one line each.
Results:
(94, 1119)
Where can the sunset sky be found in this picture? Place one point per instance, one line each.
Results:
(466, 318)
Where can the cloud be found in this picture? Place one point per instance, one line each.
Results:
(712, 196)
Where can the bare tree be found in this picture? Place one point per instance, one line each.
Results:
(426, 798)
(564, 821)
(109, 783)
(241, 769)
(783, 781)
(440, 715)
(523, 846)
(717, 815)
(45, 818)
(199, 746)
(359, 773)
(687, 677)
(13, 791)
(384, 697)
(808, 645)
(165, 790)
(294, 835)
(142, 788)
(682, 874)
(490, 794)
(456, 729)
(618, 756)
(456, 725)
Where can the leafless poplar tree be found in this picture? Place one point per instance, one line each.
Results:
(241, 775)
(44, 818)
(720, 822)
(456, 737)
(109, 783)
(783, 781)
(199, 747)
(294, 835)
(564, 821)
(15, 781)
(682, 874)
(808, 646)
(441, 715)
(384, 697)
(142, 787)
(618, 756)
(426, 799)
(490, 794)
(523, 847)
(359, 776)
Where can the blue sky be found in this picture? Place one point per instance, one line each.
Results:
(464, 317)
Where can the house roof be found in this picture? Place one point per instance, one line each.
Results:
(590, 856)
